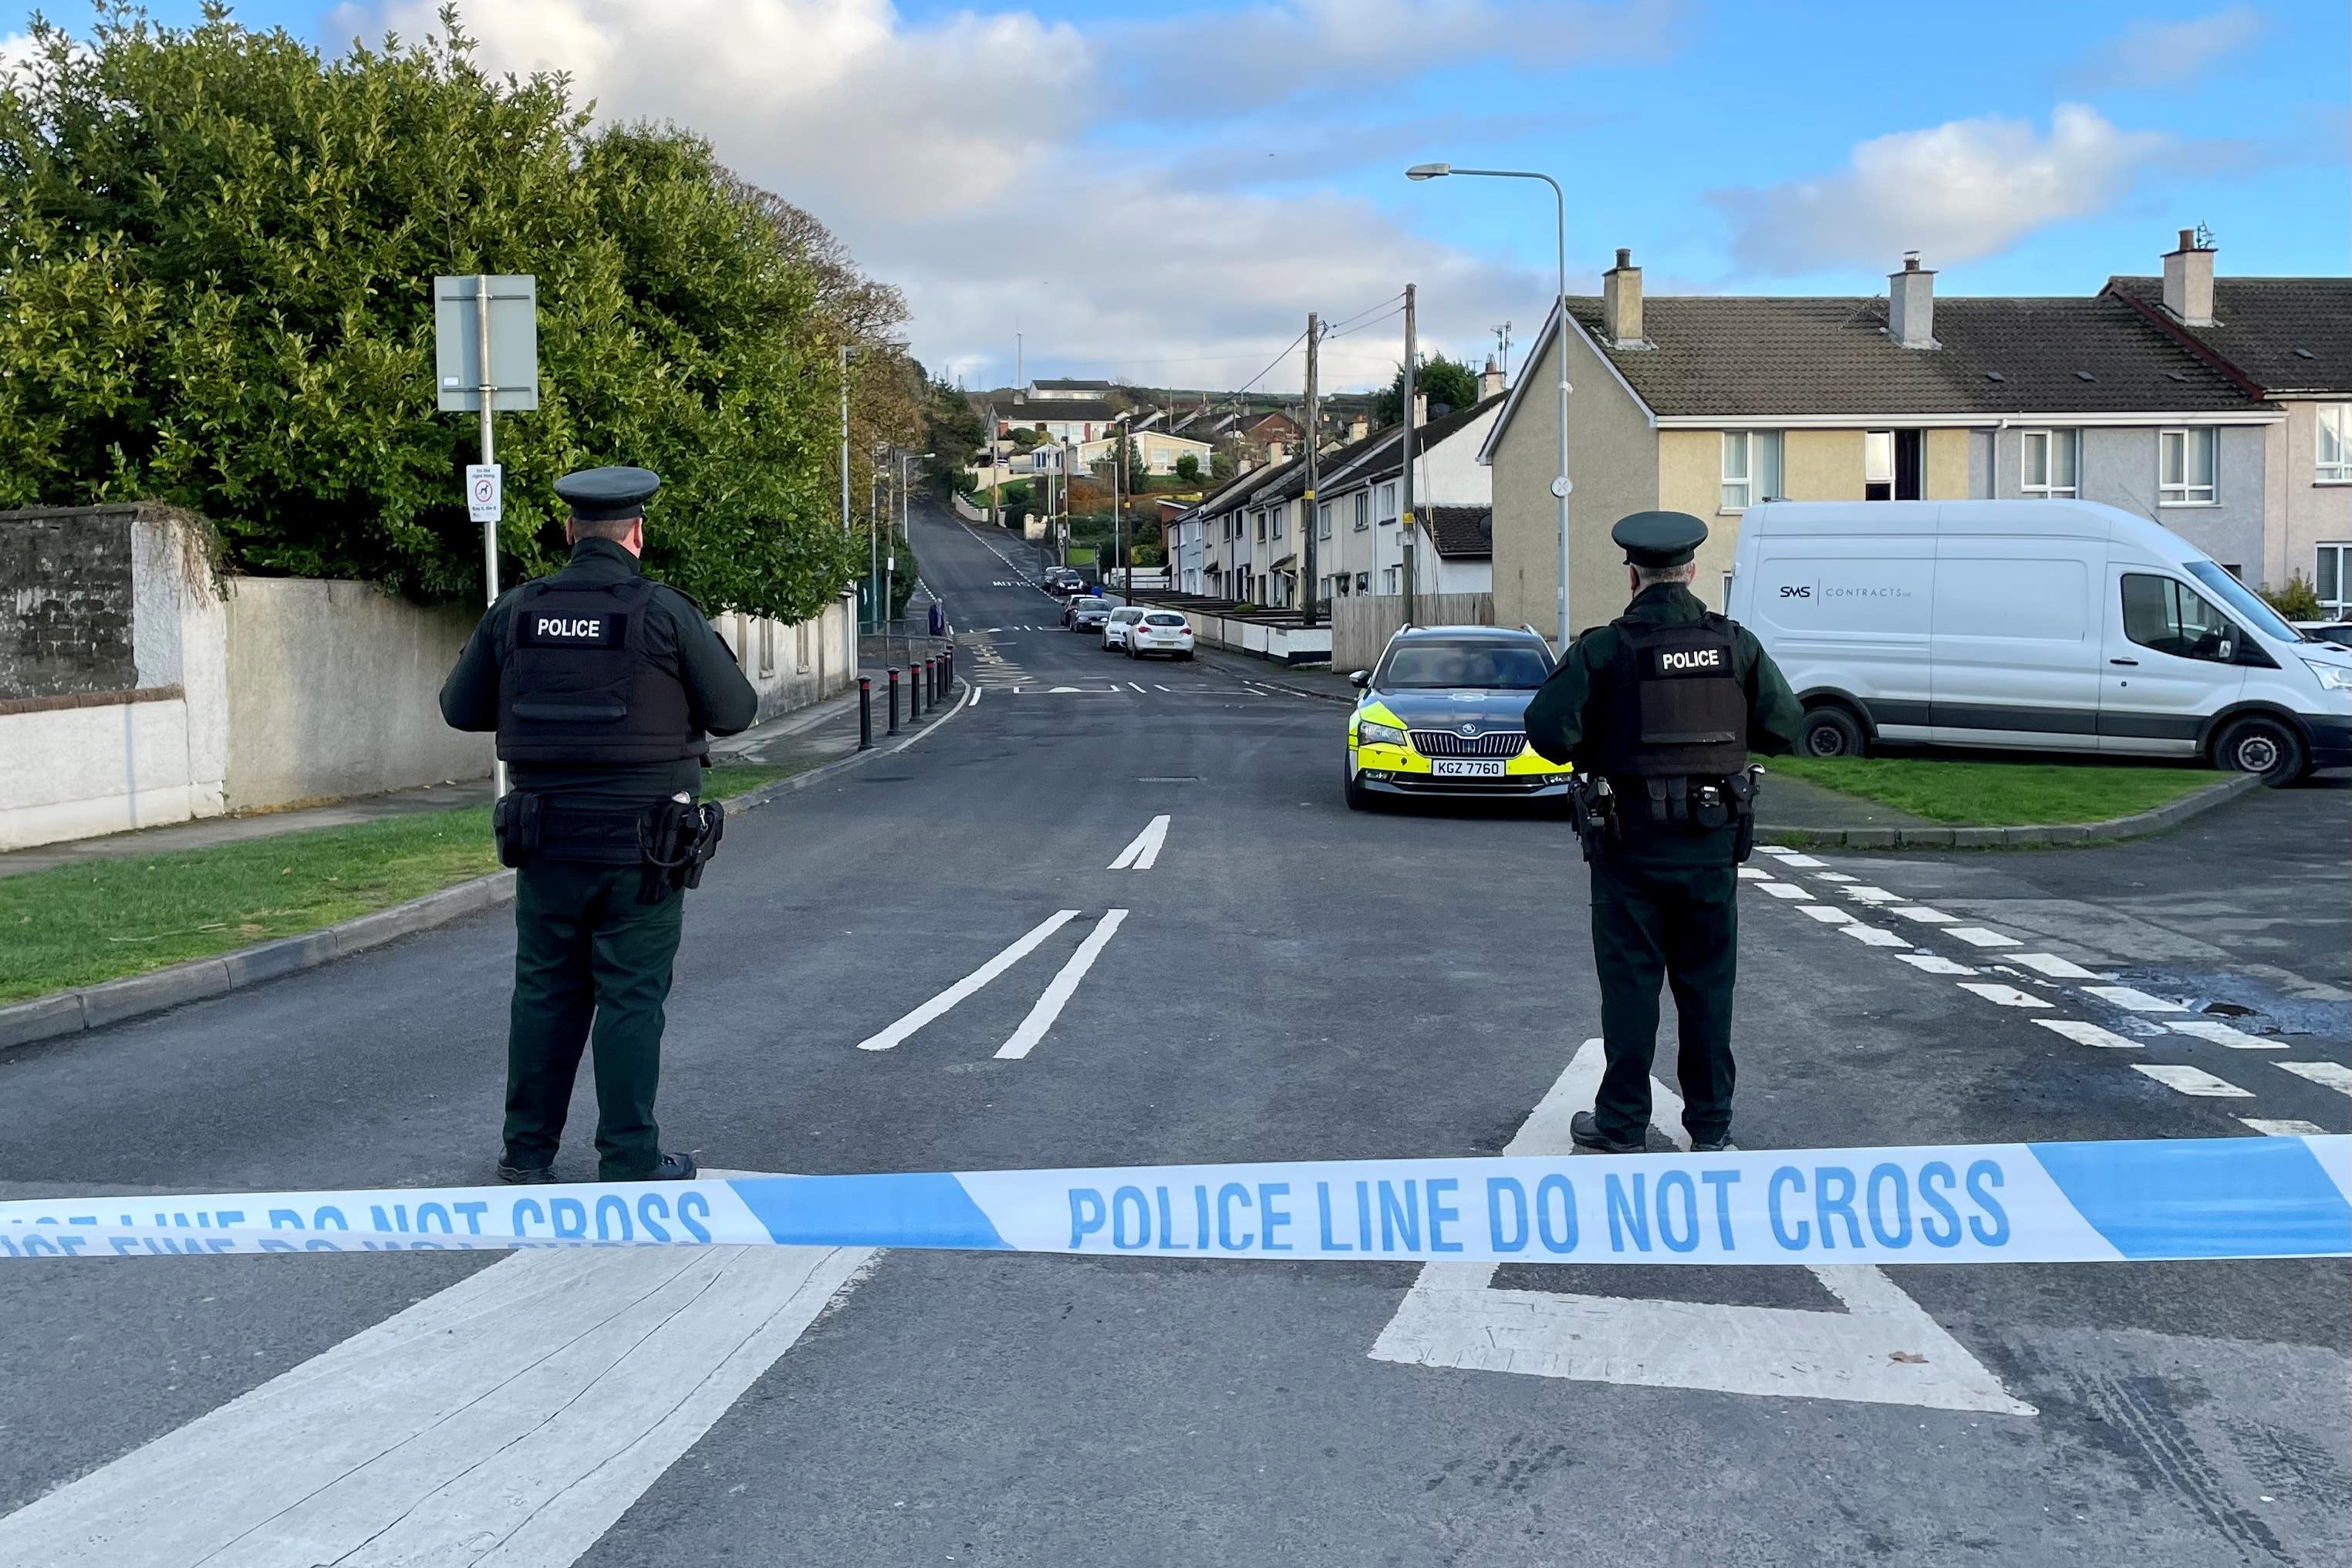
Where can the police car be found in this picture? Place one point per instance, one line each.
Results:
(1444, 714)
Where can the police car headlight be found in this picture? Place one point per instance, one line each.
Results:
(2332, 677)
(1372, 732)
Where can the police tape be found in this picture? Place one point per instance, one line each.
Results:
(1985, 1202)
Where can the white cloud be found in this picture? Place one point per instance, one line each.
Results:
(976, 161)
(2149, 53)
(1964, 189)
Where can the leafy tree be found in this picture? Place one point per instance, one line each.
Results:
(951, 427)
(1015, 499)
(1024, 438)
(216, 249)
(1446, 382)
(1188, 469)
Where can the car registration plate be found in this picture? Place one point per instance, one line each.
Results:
(1456, 768)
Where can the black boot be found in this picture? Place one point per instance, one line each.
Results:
(1584, 1132)
(673, 1167)
(526, 1176)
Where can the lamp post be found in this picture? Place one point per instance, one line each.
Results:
(1117, 514)
(1560, 485)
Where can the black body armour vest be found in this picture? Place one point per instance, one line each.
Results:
(1673, 705)
(576, 683)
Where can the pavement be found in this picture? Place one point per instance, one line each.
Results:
(1289, 980)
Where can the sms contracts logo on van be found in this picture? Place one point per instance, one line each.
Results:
(1796, 590)
(1825, 593)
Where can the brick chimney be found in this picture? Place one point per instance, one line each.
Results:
(1358, 428)
(1911, 305)
(1490, 380)
(1620, 300)
(2189, 281)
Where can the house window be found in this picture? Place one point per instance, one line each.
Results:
(2164, 615)
(1751, 468)
(1877, 464)
(1363, 582)
(1336, 587)
(2331, 455)
(1363, 509)
(1388, 512)
(2185, 460)
(1278, 511)
(1387, 580)
(2333, 573)
(767, 647)
(2052, 458)
(1261, 524)
(1322, 519)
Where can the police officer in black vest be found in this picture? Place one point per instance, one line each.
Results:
(1658, 711)
(602, 686)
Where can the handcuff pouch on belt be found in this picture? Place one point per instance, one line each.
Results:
(515, 824)
(1595, 808)
(1703, 804)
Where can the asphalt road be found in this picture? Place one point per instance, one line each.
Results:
(1291, 980)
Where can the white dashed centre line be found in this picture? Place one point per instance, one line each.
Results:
(2132, 999)
(2326, 1074)
(2083, 1033)
(2002, 996)
(2191, 1081)
(2222, 1034)
(2054, 966)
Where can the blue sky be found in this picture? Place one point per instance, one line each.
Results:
(1162, 190)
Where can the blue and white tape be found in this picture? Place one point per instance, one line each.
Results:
(1985, 1202)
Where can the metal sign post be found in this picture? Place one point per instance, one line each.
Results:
(486, 358)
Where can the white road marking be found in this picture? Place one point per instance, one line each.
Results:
(1139, 689)
(2083, 1033)
(2132, 999)
(1790, 857)
(1785, 890)
(2051, 964)
(2222, 1034)
(1871, 894)
(1982, 937)
(1749, 873)
(512, 1418)
(1873, 935)
(1172, 688)
(2326, 1074)
(2286, 1127)
(975, 691)
(1064, 985)
(1883, 1349)
(1774, 850)
(1923, 915)
(1143, 850)
(2003, 995)
(1935, 964)
(2192, 1080)
(969, 983)
(1828, 914)
(1838, 876)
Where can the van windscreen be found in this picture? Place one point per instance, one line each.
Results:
(2244, 601)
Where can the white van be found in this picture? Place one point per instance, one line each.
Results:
(2037, 625)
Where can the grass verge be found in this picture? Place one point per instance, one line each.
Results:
(102, 920)
(1965, 794)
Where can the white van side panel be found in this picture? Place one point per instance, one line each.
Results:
(2017, 643)
(1844, 609)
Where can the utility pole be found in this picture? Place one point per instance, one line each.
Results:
(995, 472)
(844, 438)
(1314, 584)
(1405, 522)
(1118, 512)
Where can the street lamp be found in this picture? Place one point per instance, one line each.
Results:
(1560, 485)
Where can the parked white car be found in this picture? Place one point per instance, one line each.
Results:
(1159, 632)
(1115, 628)
(2033, 625)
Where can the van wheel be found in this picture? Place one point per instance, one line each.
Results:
(1830, 732)
(2268, 747)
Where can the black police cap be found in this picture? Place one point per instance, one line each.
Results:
(1659, 538)
(608, 495)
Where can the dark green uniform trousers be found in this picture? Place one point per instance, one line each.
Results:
(586, 946)
(1681, 923)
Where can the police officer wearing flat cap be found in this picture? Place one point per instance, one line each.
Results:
(603, 686)
(1658, 710)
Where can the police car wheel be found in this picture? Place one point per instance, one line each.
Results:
(1830, 732)
(1359, 797)
(2267, 746)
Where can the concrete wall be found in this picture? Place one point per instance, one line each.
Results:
(2307, 514)
(2119, 467)
(333, 690)
(794, 664)
(1613, 459)
(115, 712)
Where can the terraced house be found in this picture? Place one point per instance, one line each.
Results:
(1706, 404)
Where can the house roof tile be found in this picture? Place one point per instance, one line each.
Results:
(1462, 533)
(2286, 335)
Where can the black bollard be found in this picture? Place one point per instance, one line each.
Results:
(893, 699)
(914, 691)
(930, 683)
(865, 712)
